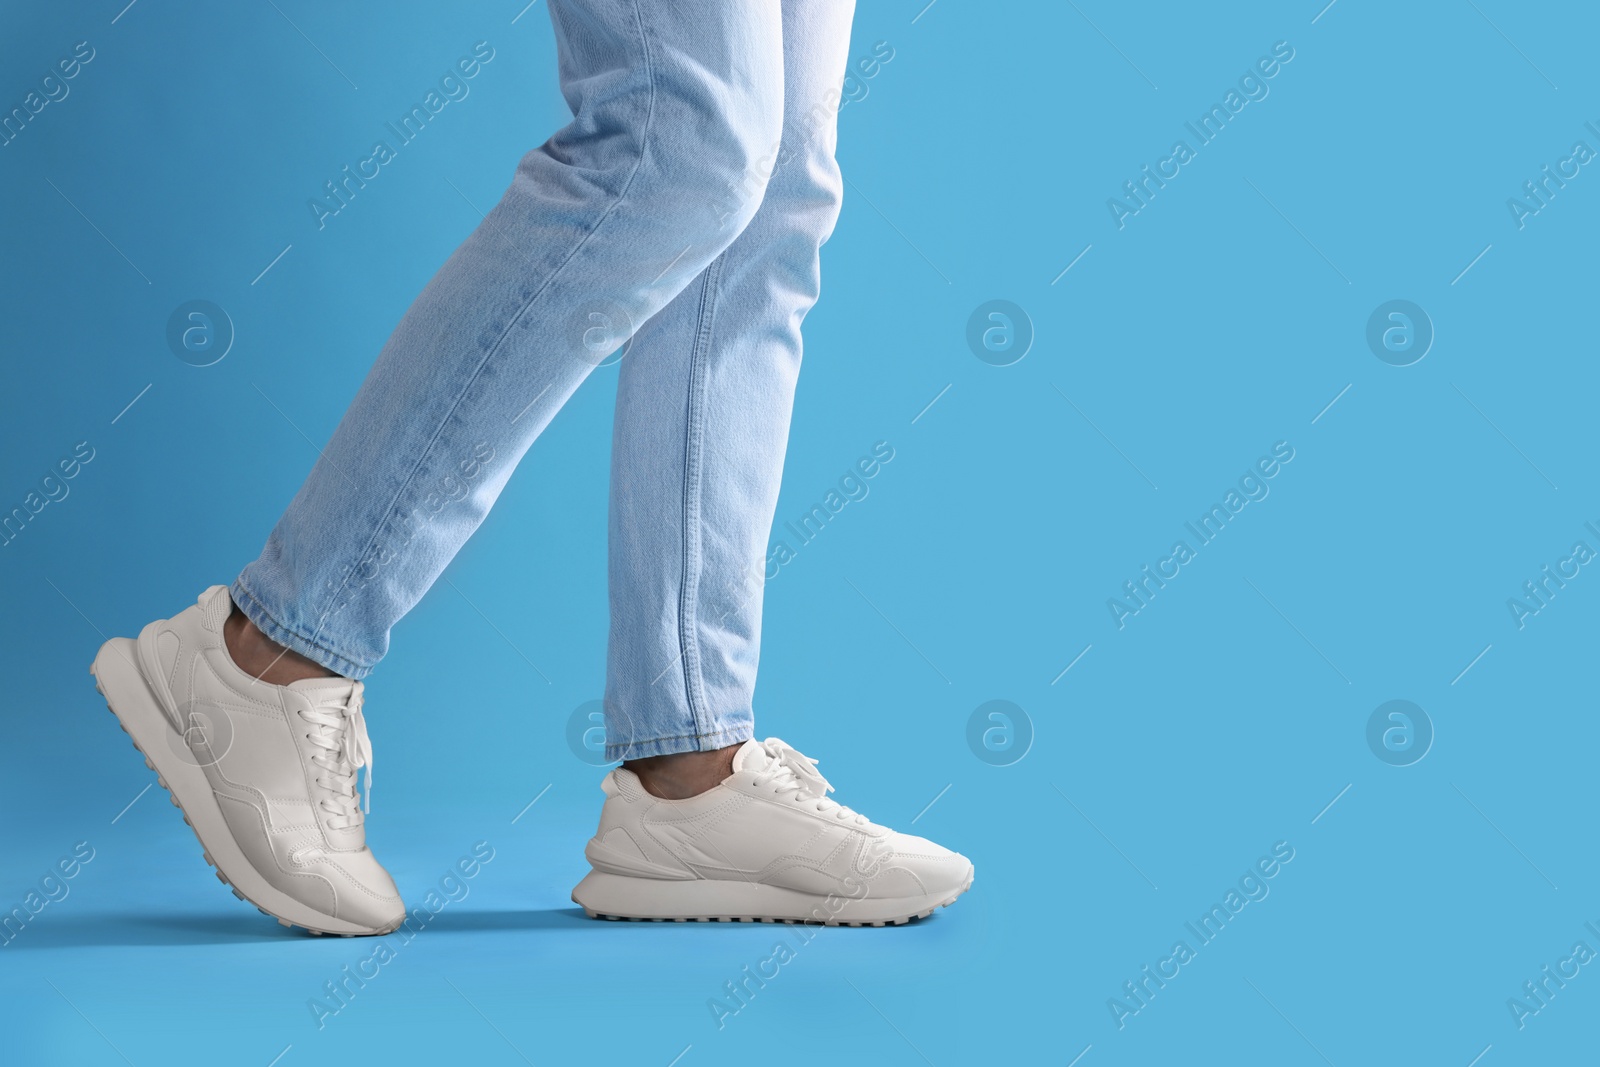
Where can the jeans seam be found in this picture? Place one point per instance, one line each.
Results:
(644, 138)
(688, 594)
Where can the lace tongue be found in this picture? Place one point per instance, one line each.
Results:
(751, 757)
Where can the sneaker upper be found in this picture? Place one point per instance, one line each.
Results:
(771, 821)
(282, 762)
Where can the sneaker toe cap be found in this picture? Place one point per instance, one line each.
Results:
(366, 893)
(936, 869)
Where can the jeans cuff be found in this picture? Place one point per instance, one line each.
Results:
(257, 613)
(666, 746)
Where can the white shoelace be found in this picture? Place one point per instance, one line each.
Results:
(341, 732)
(794, 771)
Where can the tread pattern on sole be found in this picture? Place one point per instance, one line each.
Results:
(206, 853)
(898, 921)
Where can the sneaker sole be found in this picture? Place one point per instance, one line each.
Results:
(139, 713)
(613, 896)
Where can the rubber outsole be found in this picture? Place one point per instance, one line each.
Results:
(205, 853)
(897, 920)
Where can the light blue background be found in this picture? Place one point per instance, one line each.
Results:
(1223, 718)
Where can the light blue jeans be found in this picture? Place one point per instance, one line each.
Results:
(679, 213)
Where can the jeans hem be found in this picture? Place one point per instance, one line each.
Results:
(666, 746)
(257, 613)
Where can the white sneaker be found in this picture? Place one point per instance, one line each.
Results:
(766, 845)
(265, 774)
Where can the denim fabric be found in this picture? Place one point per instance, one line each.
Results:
(682, 208)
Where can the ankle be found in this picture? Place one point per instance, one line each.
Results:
(263, 658)
(681, 775)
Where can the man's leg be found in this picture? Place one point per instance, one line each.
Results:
(701, 426)
(701, 821)
(672, 103)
